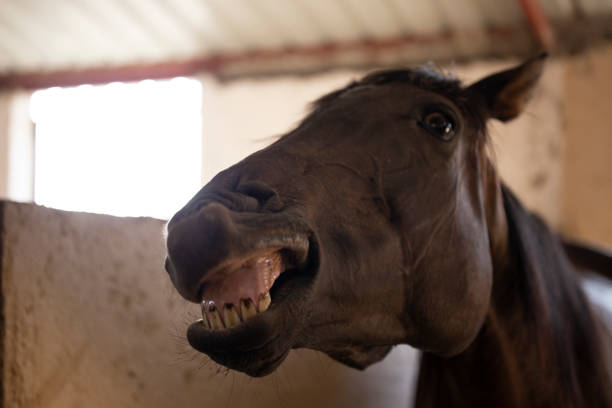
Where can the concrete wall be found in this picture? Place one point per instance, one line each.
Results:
(16, 146)
(587, 198)
(91, 320)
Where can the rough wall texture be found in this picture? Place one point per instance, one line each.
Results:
(91, 320)
(587, 199)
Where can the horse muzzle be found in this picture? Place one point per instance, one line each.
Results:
(241, 267)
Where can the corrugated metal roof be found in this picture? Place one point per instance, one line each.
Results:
(40, 35)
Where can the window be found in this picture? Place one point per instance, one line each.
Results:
(128, 149)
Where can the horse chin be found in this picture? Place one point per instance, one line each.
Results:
(359, 357)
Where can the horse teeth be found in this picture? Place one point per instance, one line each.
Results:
(230, 316)
(247, 309)
(205, 320)
(214, 318)
(264, 302)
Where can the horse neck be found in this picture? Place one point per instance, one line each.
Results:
(540, 344)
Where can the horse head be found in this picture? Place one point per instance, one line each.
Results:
(377, 221)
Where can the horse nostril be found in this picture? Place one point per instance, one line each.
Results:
(256, 189)
(266, 197)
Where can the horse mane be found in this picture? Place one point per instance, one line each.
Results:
(568, 339)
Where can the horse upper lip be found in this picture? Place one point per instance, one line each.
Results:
(202, 242)
(293, 248)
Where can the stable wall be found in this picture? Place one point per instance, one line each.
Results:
(91, 320)
(587, 197)
(16, 146)
(5, 109)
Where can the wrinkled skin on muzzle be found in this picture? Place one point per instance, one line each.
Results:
(379, 218)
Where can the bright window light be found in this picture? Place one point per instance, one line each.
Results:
(127, 149)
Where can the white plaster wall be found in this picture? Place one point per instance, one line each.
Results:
(241, 117)
(4, 142)
(16, 146)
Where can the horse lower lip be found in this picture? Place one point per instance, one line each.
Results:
(258, 345)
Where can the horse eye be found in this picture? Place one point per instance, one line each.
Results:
(440, 125)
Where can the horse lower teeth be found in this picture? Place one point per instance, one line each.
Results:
(230, 317)
(264, 302)
(216, 319)
(247, 309)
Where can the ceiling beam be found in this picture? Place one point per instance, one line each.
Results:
(539, 23)
(214, 64)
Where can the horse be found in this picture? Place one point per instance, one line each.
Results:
(381, 220)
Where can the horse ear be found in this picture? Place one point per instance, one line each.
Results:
(504, 95)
